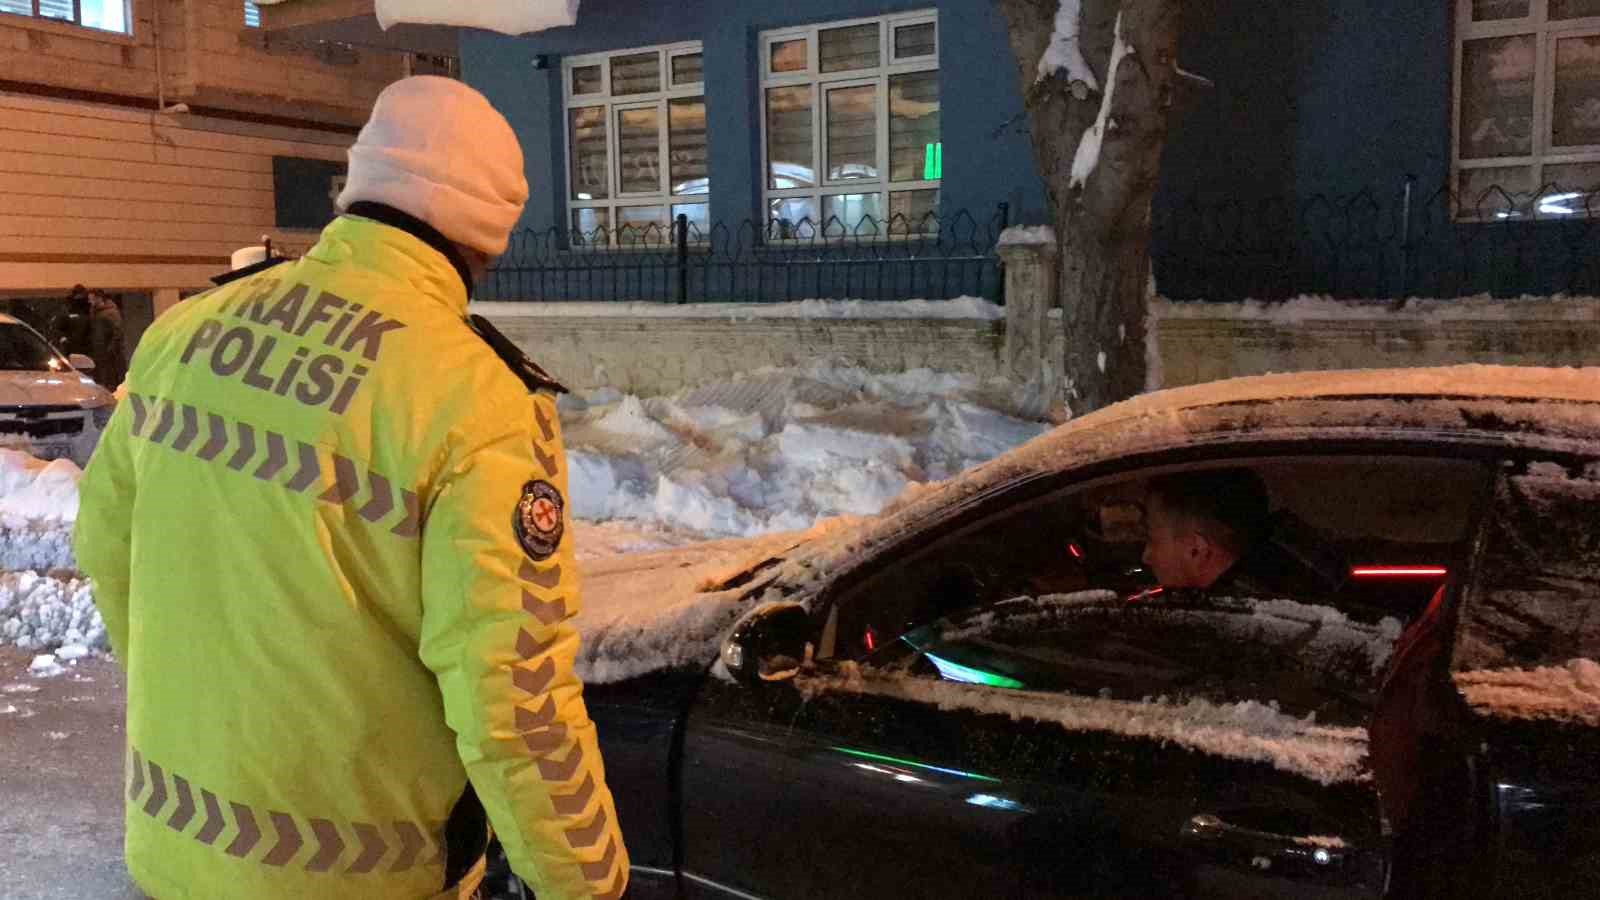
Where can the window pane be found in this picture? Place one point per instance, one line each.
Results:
(1490, 10)
(914, 40)
(853, 214)
(1497, 97)
(1570, 190)
(1576, 119)
(789, 162)
(56, 9)
(914, 212)
(19, 7)
(591, 226)
(699, 219)
(852, 133)
(636, 73)
(686, 135)
(590, 161)
(914, 150)
(789, 56)
(638, 225)
(1574, 9)
(252, 15)
(586, 80)
(1501, 193)
(638, 150)
(112, 15)
(792, 217)
(688, 68)
(843, 49)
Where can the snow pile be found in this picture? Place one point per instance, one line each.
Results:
(39, 612)
(779, 449)
(1247, 731)
(1325, 635)
(38, 504)
(965, 307)
(1569, 693)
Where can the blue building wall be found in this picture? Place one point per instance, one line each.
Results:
(985, 161)
(1287, 176)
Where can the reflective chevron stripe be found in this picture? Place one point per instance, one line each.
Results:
(281, 839)
(265, 455)
(545, 737)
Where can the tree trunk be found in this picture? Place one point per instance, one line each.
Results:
(1101, 215)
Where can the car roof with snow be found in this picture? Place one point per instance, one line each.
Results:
(696, 601)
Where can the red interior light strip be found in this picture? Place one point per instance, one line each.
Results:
(1399, 572)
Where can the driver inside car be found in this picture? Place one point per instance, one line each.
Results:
(1207, 531)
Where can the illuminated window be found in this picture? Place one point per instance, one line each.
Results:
(850, 127)
(1527, 109)
(636, 145)
(103, 15)
(252, 15)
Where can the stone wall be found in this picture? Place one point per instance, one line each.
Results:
(1198, 342)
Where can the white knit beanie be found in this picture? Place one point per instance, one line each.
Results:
(436, 149)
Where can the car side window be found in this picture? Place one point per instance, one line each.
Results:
(1323, 570)
(1536, 602)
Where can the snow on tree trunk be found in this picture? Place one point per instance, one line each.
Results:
(1099, 152)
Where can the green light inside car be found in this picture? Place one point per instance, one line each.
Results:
(878, 757)
(968, 675)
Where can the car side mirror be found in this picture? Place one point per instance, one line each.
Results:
(769, 644)
(80, 362)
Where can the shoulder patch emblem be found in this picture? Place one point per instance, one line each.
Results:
(540, 520)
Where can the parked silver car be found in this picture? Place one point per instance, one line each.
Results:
(48, 407)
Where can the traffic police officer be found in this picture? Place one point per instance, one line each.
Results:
(328, 535)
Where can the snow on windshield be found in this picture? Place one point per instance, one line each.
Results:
(1246, 731)
(1569, 693)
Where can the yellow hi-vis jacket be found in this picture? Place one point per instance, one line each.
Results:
(327, 530)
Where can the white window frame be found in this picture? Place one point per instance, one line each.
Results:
(77, 17)
(1545, 32)
(820, 83)
(613, 106)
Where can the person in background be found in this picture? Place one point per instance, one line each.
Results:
(363, 655)
(69, 330)
(106, 345)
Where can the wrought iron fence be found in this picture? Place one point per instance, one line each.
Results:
(1380, 244)
(896, 258)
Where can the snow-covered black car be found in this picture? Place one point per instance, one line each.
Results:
(984, 693)
(48, 408)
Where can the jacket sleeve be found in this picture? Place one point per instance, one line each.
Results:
(500, 587)
(103, 539)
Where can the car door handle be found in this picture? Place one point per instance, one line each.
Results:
(1264, 850)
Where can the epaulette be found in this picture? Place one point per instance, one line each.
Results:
(524, 368)
(247, 271)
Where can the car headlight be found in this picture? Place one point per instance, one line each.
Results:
(102, 415)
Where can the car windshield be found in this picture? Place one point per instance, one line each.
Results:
(23, 351)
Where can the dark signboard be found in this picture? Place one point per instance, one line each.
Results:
(305, 190)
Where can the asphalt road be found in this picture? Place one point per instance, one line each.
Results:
(61, 771)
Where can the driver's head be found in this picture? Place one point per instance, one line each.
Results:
(1198, 524)
(436, 149)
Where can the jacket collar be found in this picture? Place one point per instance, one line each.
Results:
(422, 231)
